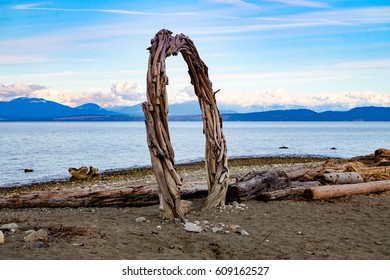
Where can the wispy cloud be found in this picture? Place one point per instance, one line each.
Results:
(110, 11)
(364, 64)
(22, 59)
(237, 3)
(302, 3)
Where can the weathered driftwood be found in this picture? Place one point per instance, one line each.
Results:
(123, 196)
(83, 172)
(382, 154)
(296, 190)
(254, 183)
(329, 191)
(375, 173)
(343, 178)
(156, 114)
(296, 172)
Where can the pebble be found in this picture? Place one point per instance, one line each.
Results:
(243, 232)
(40, 245)
(40, 235)
(10, 226)
(140, 219)
(1, 238)
(186, 206)
(234, 228)
(216, 229)
(191, 227)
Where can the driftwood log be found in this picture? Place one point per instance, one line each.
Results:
(329, 191)
(382, 154)
(343, 178)
(83, 173)
(252, 185)
(123, 196)
(156, 121)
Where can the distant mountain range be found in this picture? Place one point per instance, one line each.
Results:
(38, 109)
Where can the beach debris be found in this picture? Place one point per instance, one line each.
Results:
(382, 154)
(283, 147)
(186, 206)
(343, 177)
(83, 173)
(191, 227)
(40, 245)
(9, 227)
(1, 238)
(140, 219)
(329, 191)
(40, 235)
(217, 229)
(234, 228)
(243, 232)
(254, 183)
(156, 121)
(27, 170)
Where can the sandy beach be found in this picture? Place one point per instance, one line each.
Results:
(353, 227)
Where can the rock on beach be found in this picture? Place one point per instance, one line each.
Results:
(1, 238)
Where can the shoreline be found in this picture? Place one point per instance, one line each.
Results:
(147, 171)
(351, 227)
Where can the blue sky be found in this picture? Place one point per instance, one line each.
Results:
(315, 54)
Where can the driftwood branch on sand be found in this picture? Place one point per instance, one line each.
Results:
(330, 191)
(121, 196)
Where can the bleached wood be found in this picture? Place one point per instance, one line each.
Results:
(156, 115)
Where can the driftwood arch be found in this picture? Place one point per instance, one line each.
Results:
(156, 120)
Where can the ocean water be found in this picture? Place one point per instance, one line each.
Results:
(50, 148)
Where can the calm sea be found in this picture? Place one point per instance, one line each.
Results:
(50, 148)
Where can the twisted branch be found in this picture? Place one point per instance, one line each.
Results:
(156, 115)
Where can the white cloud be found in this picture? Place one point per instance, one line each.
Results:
(22, 59)
(318, 101)
(23, 90)
(111, 11)
(123, 93)
(303, 3)
(237, 3)
(184, 95)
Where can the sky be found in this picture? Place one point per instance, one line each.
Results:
(261, 54)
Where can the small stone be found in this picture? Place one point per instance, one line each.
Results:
(40, 244)
(159, 227)
(140, 219)
(40, 235)
(243, 205)
(10, 226)
(186, 206)
(216, 229)
(1, 238)
(243, 232)
(234, 228)
(191, 227)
